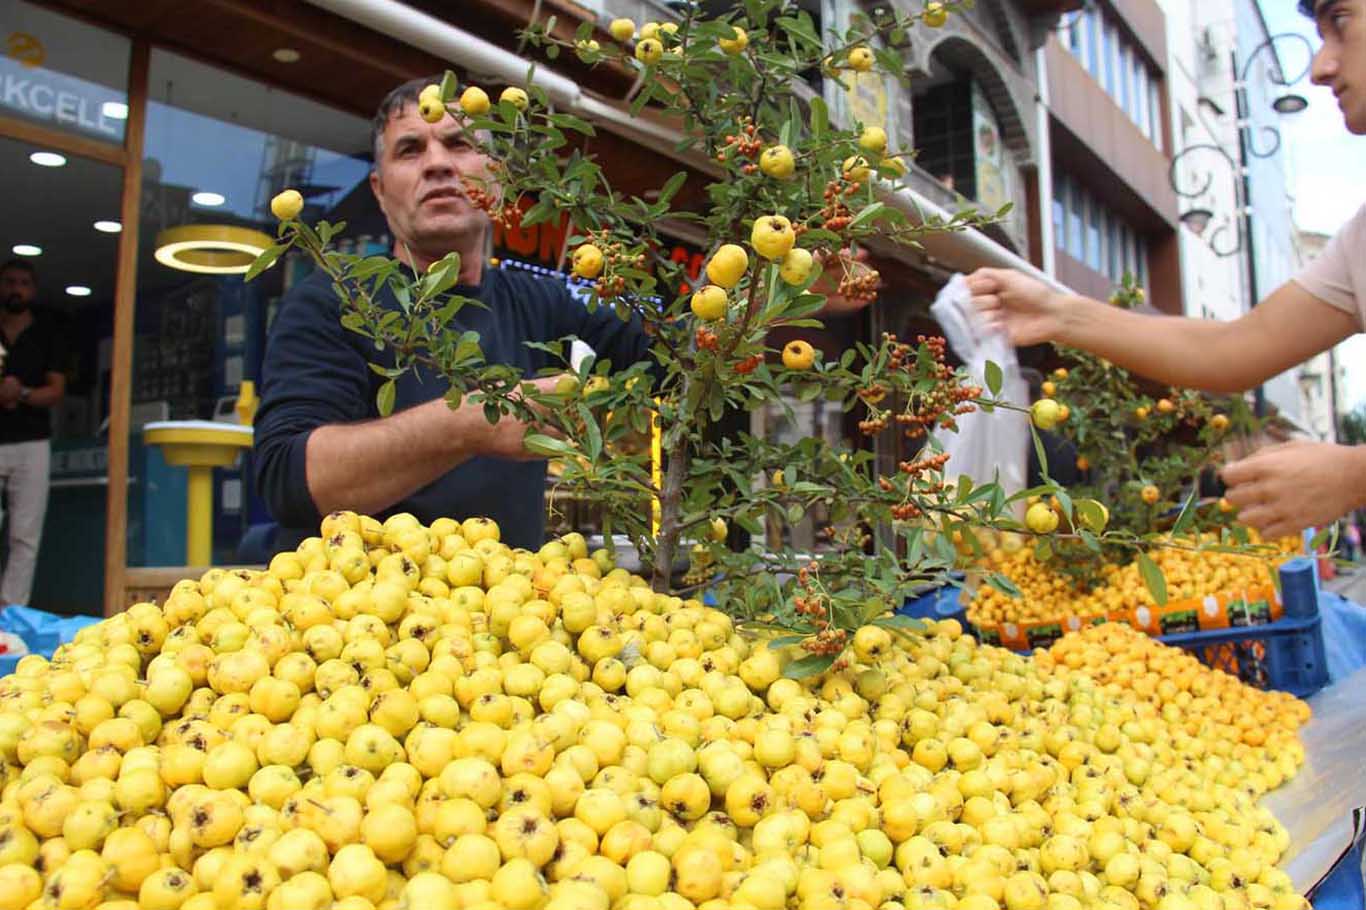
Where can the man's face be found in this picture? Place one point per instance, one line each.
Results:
(1340, 63)
(17, 290)
(418, 186)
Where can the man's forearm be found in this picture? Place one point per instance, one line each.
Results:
(368, 467)
(45, 396)
(1182, 352)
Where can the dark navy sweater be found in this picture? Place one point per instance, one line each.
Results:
(316, 373)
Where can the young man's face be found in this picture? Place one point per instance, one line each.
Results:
(1340, 63)
(417, 182)
(17, 289)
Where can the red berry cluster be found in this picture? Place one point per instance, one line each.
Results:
(749, 364)
(835, 215)
(861, 284)
(705, 339)
(939, 405)
(747, 144)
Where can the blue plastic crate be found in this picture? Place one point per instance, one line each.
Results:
(1287, 654)
(938, 603)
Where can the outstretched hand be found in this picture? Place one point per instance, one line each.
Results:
(1283, 489)
(1029, 310)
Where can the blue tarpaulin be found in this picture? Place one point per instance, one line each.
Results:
(42, 632)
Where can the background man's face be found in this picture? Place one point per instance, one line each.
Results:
(1340, 63)
(17, 284)
(418, 184)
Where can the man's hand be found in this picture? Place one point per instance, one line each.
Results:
(1029, 310)
(9, 391)
(1284, 489)
(505, 439)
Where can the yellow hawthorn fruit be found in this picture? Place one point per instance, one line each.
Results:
(798, 355)
(1219, 423)
(861, 59)
(935, 15)
(777, 161)
(430, 107)
(515, 96)
(709, 303)
(649, 50)
(727, 265)
(474, 101)
(1041, 519)
(796, 266)
(1044, 413)
(873, 140)
(587, 261)
(1150, 494)
(856, 168)
(287, 205)
(735, 44)
(648, 31)
(772, 236)
(622, 30)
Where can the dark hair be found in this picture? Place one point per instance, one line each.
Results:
(22, 265)
(393, 106)
(1307, 7)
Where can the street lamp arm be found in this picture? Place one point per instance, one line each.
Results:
(1256, 152)
(1235, 246)
(1205, 177)
(1277, 74)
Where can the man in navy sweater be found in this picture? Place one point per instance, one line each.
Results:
(320, 442)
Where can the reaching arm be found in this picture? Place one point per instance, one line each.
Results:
(1287, 328)
(50, 393)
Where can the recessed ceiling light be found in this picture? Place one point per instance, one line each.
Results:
(108, 227)
(207, 198)
(114, 110)
(47, 159)
(78, 290)
(27, 249)
(286, 55)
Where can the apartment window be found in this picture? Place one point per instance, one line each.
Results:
(1091, 233)
(1118, 65)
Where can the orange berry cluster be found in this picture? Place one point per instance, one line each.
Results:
(835, 215)
(749, 364)
(705, 339)
(747, 144)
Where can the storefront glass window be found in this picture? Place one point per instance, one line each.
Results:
(63, 74)
(218, 148)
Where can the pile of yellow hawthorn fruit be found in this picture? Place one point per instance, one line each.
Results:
(1048, 595)
(402, 716)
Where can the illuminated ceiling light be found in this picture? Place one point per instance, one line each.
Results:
(210, 249)
(1290, 103)
(208, 198)
(108, 227)
(27, 249)
(47, 159)
(114, 110)
(286, 55)
(78, 290)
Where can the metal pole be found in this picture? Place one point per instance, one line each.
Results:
(1245, 208)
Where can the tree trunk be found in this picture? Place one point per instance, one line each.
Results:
(670, 507)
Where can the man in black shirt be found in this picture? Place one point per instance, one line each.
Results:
(320, 442)
(31, 382)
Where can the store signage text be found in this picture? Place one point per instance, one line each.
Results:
(42, 99)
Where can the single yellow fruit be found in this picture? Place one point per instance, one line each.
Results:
(515, 96)
(728, 265)
(1219, 423)
(649, 30)
(1150, 494)
(798, 355)
(1041, 519)
(649, 50)
(1165, 406)
(588, 45)
(861, 59)
(709, 303)
(287, 205)
(1044, 413)
(873, 140)
(856, 168)
(622, 29)
(430, 106)
(935, 15)
(587, 261)
(796, 266)
(474, 101)
(772, 236)
(778, 162)
(737, 44)
(1049, 388)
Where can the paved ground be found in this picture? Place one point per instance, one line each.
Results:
(1351, 585)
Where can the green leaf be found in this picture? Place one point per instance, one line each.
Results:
(811, 665)
(449, 85)
(993, 377)
(674, 184)
(1320, 538)
(540, 444)
(902, 621)
(1004, 585)
(782, 641)
(384, 398)
(820, 118)
(868, 212)
(1043, 551)
(1152, 577)
(1038, 450)
(265, 260)
(1187, 514)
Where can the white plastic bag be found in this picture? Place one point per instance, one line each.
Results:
(987, 447)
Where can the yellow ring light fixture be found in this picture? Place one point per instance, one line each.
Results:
(211, 249)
